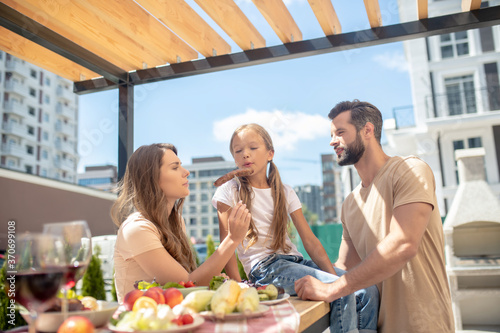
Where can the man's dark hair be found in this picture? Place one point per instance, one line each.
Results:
(361, 113)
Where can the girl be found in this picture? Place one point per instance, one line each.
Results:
(151, 241)
(267, 254)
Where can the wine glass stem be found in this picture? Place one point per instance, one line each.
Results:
(64, 303)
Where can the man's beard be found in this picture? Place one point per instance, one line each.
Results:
(352, 153)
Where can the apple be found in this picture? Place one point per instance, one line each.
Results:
(131, 297)
(76, 324)
(172, 297)
(156, 293)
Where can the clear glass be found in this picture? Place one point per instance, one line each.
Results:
(39, 272)
(77, 241)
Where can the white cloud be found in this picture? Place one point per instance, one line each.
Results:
(392, 60)
(286, 128)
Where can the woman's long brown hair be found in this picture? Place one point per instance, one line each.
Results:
(139, 190)
(279, 225)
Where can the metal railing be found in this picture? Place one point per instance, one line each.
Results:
(463, 102)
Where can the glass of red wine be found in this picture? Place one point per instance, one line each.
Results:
(77, 242)
(40, 267)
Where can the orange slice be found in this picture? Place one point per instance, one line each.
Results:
(145, 302)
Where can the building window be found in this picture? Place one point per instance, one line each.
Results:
(204, 233)
(192, 198)
(204, 220)
(454, 45)
(192, 174)
(30, 150)
(192, 209)
(204, 197)
(193, 233)
(204, 186)
(204, 209)
(47, 81)
(192, 221)
(460, 95)
(31, 110)
(32, 92)
(215, 220)
(29, 169)
(33, 73)
(43, 172)
(192, 186)
(216, 232)
(31, 130)
(45, 136)
(45, 154)
(47, 99)
(46, 117)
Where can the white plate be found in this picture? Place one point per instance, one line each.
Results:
(197, 321)
(186, 291)
(280, 299)
(50, 321)
(261, 310)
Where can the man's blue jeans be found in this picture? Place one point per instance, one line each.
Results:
(357, 312)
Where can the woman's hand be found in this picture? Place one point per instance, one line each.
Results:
(238, 222)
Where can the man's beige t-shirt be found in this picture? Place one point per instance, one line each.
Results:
(417, 298)
(135, 236)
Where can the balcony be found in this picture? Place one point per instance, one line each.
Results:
(65, 129)
(17, 151)
(66, 147)
(403, 117)
(16, 67)
(17, 130)
(463, 102)
(66, 94)
(65, 111)
(12, 86)
(15, 107)
(65, 164)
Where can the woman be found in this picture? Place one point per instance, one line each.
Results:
(151, 241)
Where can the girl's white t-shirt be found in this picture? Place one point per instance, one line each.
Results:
(262, 213)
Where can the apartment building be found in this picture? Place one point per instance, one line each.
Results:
(312, 197)
(199, 214)
(333, 188)
(456, 100)
(39, 114)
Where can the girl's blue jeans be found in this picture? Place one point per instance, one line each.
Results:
(357, 312)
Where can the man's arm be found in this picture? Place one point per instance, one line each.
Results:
(348, 256)
(407, 227)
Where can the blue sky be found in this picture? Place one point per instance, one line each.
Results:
(290, 98)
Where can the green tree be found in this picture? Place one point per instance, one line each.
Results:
(113, 288)
(311, 217)
(93, 280)
(210, 246)
(6, 320)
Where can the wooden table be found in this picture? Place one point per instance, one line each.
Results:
(314, 315)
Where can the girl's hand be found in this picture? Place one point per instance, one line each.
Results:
(238, 222)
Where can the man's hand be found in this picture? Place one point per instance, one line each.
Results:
(310, 288)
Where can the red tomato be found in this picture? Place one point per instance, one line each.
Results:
(189, 284)
(182, 283)
(186, 319)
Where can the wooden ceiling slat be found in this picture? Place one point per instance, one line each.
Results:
(280, 19)
(326, 16)
(373, 11)
(135, 22)
(73, 20)
(38, 55)
(423, 9)
(234, 22)
(187, 24)
(468, 5)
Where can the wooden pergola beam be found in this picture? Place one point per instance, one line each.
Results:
(423, 9)
(234, 22)
(187, 24)
(280, 20)
(40, 56)
(373, 11)
(468, 5)
(326, 16)
(136, 23)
